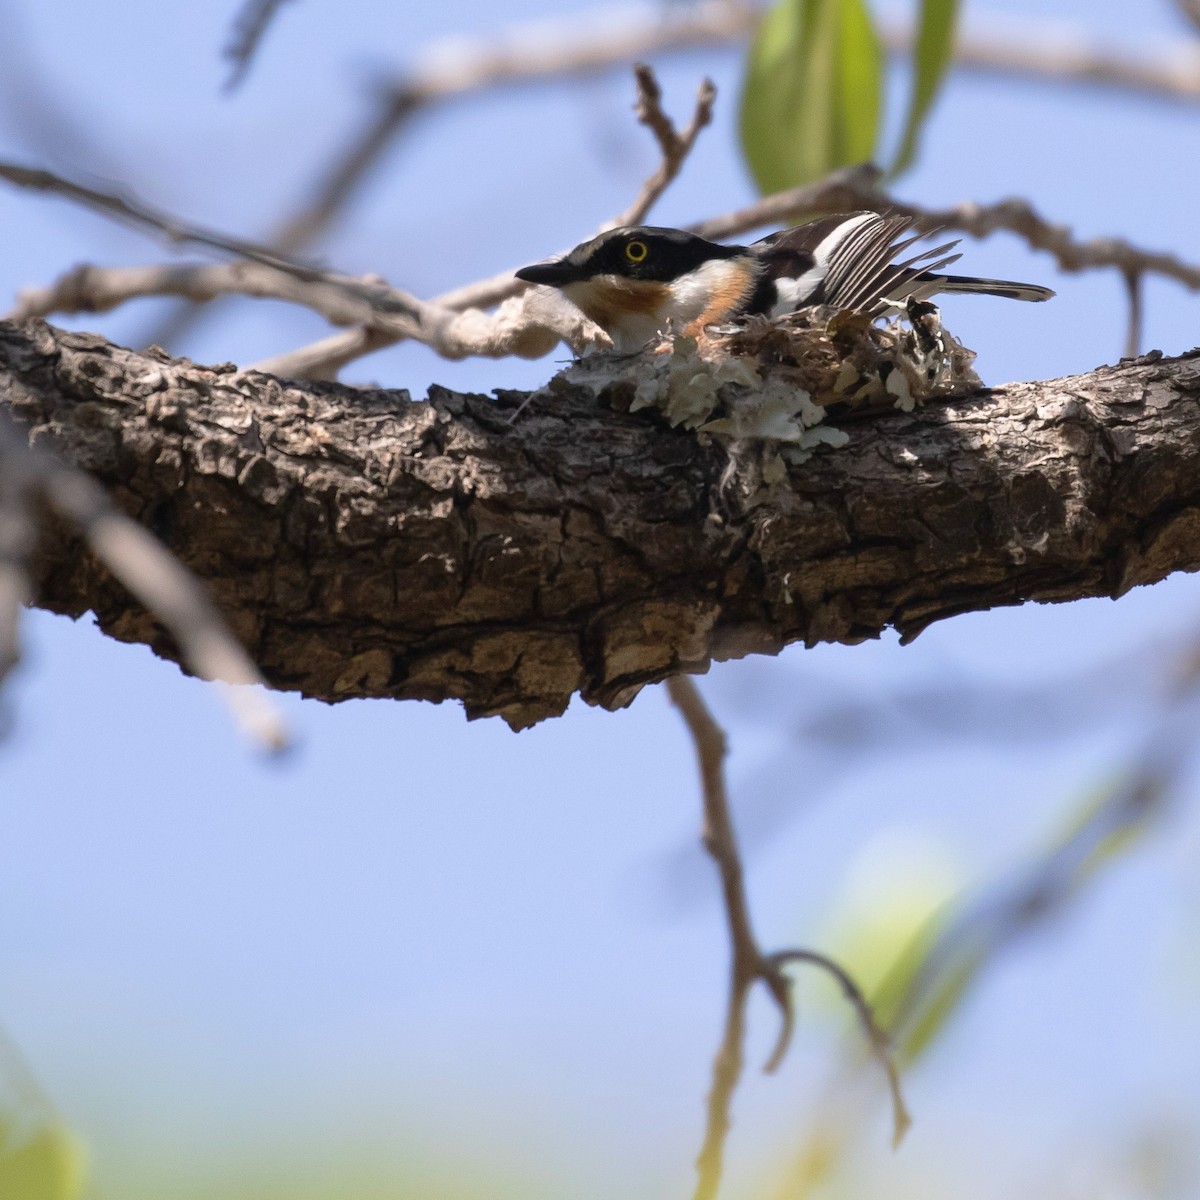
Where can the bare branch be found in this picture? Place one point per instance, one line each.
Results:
(88, 288)
(749, 965)
(588, 43)
(1190, 10)
(139, 561)
(720, 841)
(528, 326)
(248, 29)
(1019, 216)
(675, 147)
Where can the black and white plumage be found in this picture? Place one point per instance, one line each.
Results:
(637, 282)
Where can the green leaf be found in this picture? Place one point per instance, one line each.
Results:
(861, 78)
(812, 98)
(47, 1165)
(932, 54)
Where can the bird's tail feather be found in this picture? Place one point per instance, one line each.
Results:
(988, 287)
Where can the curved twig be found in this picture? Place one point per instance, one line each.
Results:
(749, 964)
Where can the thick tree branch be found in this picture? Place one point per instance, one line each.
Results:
(364, 545)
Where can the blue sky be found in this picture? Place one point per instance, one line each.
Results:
(419, 938)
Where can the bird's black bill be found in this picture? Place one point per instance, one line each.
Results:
(554, 273)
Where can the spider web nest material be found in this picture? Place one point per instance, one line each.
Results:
(776, 381)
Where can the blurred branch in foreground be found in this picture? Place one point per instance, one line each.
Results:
(249, 29)
(830, 728)
(947, 957)
(137, 559)
(1190, 10)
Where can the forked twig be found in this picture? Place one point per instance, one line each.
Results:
(249, 26)
(749, 965)
(582, 44)
(675, 146)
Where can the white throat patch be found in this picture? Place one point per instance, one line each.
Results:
(693, 293)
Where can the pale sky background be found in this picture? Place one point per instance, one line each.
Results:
(423, 939)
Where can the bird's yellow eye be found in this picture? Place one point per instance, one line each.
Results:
(636, 251)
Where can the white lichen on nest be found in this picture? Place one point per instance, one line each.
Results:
(776, 382)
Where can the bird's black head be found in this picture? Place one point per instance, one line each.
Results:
(648, 252)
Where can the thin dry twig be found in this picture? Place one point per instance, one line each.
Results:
(249, 27)
(880, 1043)
(139, 561)
(528, 326)
(675, 146)
(749, 965)
(588, 43)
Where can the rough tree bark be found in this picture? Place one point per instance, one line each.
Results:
(363, 544)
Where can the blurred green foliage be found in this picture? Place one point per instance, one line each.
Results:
(46, 1163)
(933, 52)
(812, 100)
(813, 92)
(918, 946)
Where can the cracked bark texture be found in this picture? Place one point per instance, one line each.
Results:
(363, 544)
